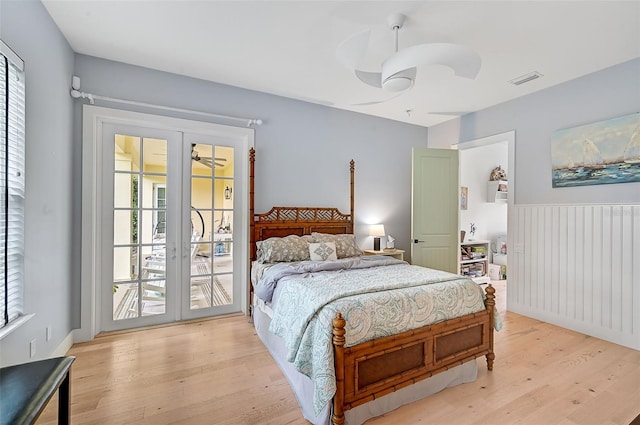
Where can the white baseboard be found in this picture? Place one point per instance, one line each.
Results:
(64, 346)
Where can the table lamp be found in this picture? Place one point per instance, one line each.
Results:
(376, 231)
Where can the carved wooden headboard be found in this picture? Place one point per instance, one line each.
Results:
(283, 221)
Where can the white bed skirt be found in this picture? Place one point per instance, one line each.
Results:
(303, 386)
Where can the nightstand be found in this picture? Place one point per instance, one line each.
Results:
(396, 253)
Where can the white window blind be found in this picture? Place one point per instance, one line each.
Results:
(12, 159)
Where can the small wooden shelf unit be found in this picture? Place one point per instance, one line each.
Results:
(474, 260)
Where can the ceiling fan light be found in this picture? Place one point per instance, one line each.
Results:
(397, 83)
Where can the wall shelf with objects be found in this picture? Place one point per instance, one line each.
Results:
(497, 191)
(474, 260)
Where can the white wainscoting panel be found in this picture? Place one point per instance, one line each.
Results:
(578, 266)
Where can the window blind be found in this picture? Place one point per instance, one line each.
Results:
(12, 184)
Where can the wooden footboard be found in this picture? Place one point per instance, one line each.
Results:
(372, 369)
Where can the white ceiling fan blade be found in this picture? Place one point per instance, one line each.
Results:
(377, 101)
(351, 51)
(452, 113)
(372, 78)
(464, 61)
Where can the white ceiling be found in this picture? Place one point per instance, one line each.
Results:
(288, 48)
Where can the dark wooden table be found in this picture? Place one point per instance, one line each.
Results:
(26, 389)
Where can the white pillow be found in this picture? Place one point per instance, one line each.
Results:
(322, 251)
(346, 245)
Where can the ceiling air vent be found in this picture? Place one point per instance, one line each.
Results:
(525, 78)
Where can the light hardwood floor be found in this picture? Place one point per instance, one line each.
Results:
(218, 372)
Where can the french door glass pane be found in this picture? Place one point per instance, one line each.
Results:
(125, 300)
(224, 157)
(201, 160)
(125, 263)
(222, 259)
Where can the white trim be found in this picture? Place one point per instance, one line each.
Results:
(609, 204)
(64, 347)
(93, 119)
(14, 324)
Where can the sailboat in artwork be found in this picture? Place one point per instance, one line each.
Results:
(632, 151)
(592, 158)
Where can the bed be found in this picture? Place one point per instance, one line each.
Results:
(369, 374)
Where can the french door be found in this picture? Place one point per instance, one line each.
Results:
(167, 244)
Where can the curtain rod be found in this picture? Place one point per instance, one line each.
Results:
(76, 94)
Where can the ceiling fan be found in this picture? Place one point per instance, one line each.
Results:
(398, 72)
(206, 160)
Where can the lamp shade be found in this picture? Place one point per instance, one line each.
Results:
(376, 230)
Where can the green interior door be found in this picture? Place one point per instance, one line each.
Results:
(434, 209)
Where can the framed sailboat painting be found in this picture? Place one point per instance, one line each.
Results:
(603, 152)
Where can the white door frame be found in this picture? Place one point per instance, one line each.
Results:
(510, 138)
(92, 121)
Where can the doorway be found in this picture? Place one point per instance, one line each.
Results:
(487, 211)
(167, 220)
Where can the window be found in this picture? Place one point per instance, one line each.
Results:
(12, 158)
(160, 209)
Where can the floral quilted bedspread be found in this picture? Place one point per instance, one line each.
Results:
(375, 301)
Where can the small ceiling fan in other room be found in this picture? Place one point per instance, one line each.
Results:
(398, 72)
(206, 160)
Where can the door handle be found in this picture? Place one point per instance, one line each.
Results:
(417, 241)
(186, 249)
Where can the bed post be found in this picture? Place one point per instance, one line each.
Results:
(252, 225)
(352, 166)
(337, 418)
(490, 304)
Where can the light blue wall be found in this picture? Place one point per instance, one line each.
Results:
(606, 94)
(302, 150)
(51, 190)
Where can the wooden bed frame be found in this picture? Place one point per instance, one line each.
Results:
(375, 368)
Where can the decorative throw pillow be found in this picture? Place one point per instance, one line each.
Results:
(322, 251)
(289, 248)
(346, 245)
